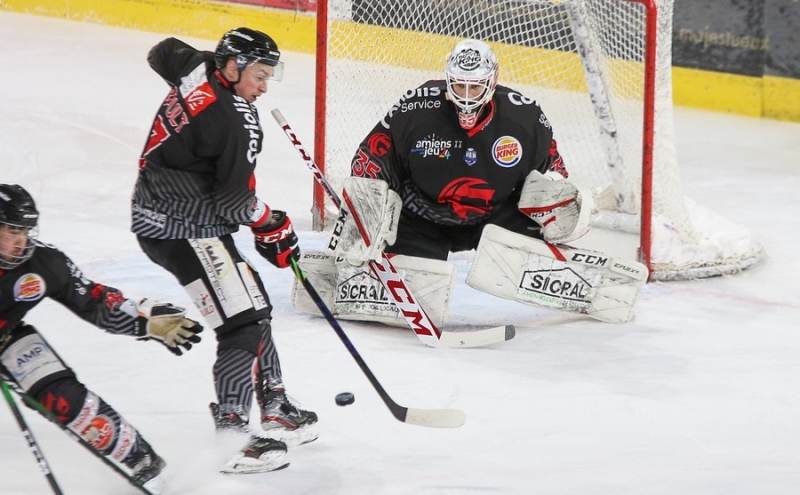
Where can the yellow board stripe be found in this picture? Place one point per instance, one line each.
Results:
(768, 96)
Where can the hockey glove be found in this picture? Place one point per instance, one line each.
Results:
(167, 324)
(276, 241)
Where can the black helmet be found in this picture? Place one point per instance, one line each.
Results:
(247, 46)
(17, 209)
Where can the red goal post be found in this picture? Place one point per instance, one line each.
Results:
(600, 69)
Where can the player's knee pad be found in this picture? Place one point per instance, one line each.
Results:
(31, 361)
(247, 337)
(352, 292)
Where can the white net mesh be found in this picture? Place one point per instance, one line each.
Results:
(582, 60)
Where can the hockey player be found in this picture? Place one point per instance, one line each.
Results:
(470, 164)
(30, 272)
(196, 187)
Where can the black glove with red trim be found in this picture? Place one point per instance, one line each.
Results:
(276, 241)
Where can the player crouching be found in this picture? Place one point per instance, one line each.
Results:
(459, 164)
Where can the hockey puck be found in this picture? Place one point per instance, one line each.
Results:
(345, 399)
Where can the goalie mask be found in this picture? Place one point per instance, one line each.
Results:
(18, 221)
(471, 73)
(248, 46)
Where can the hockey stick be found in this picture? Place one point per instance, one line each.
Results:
(434, 418)
(34, 404)
(37, 452)
(394, 284)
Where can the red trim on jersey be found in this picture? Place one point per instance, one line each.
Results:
(489, 116)
(222, 79)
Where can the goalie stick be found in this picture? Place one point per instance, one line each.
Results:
(394, 284)
(8, 385)
(434, 418)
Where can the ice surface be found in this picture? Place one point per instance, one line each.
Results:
(698, 395)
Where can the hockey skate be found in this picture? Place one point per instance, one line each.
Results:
(260, 455)
(228, 420)
(282, 420)
(146, 467)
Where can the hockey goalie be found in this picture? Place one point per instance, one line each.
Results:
(460, 164)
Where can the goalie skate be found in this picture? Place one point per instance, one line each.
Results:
(260, 455)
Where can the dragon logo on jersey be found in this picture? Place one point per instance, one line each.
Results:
(29, 287)
(379, 144)
(467, 195)
(507, 151)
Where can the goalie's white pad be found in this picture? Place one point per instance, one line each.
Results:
(354, 293)
(369, 209)
(562, 208)
(524, 269)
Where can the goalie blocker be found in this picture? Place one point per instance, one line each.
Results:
(530, 271)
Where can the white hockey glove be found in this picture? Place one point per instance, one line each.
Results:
(561, 207)
(369, 209)
(167, 324)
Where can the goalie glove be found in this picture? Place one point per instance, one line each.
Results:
(276, 241)
(367, 220)
(561, 207)
(167, 324)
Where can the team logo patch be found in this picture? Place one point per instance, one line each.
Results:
(507, 151)
(379, 144)
(467, 195)
(29, 287)
(471, 156)
(196, 90)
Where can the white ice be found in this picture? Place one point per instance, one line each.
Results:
(699, 395)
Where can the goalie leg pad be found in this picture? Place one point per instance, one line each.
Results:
(354, 293)
(527, 270)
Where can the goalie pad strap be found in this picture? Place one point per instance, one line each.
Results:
(527, 270)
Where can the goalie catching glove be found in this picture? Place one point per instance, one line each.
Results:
(167, 324)
(562, 208)
(276, 241)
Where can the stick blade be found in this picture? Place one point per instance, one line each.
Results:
(477, 338)
(436, 418)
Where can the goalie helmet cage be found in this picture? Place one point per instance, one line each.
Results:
(600, 69)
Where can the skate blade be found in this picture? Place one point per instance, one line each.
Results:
(292, 438)
(269, 461)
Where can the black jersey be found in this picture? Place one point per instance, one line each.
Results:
(50, 273)
(451, 176)
(196, 171)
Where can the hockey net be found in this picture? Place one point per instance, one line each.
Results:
(600, 69)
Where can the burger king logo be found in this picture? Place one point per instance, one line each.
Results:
(507, 151)
(29, 287)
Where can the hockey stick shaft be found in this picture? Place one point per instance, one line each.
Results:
(32, 444)
(48, 415)
(398, 290)
(435, 418)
